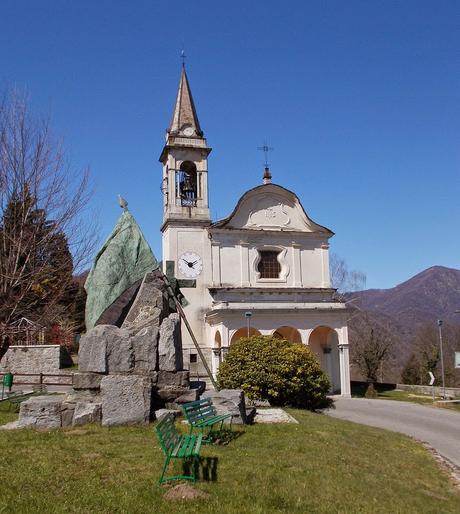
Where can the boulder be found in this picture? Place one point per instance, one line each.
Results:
(170, 344)
(120, 354)
(161, 412)
(86, 381)
(232, 401)
(169, 394)
(190, 396)
(41, 412)
(150, 305)
(145, 346)
(172, 379)
(126, 399)
(87, 412)
(92, 355)
(67, 412)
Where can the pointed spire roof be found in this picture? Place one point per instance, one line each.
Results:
(184, 111)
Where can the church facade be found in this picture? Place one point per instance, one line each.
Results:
(262, 270)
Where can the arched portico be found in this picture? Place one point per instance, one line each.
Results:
(216, 352)
(324, 343)
(289, 333)
(243, 332)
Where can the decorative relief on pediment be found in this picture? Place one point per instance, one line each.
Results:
(271, 216)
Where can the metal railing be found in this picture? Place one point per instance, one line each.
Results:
(42, 379)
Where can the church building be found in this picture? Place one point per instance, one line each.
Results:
(262, 270)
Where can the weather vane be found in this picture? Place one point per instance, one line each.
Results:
(183, 56)
(265, 148)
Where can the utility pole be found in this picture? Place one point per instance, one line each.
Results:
(442, 359)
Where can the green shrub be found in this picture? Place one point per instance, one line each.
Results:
(279, 371)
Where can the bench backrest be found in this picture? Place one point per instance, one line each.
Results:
(198, 410)
(167, 433)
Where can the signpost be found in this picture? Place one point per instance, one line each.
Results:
(432, 379)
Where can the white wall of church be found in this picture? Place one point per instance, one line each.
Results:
(304, 263)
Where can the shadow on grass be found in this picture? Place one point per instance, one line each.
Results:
(205, 468)
(224, 437)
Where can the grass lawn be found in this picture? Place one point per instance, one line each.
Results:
(321, 465)
(406, 396)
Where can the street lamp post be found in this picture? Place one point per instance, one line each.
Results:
(248, 320)
(442, 359)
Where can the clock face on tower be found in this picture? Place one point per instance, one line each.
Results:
(190, 264)
(188, 131)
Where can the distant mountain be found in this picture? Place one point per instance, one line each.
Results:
(428, 296)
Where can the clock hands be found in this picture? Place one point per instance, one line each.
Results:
(190, 264)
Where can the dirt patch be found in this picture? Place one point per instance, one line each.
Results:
(185, 492)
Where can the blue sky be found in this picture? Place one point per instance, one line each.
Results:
(360, 100)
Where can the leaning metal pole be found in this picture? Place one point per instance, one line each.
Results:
(181, 312)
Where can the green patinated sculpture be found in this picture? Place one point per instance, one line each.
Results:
(123, 260)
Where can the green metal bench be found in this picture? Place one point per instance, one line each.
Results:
(202, 415)
(176, 446)
(15, 400)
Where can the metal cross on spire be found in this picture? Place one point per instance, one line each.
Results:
(265, 148)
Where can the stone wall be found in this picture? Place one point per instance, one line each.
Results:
(426, 389)
(32, 359)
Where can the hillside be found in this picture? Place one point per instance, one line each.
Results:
(428, 296)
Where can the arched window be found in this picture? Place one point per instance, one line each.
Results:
(268, 266)
(187, 184)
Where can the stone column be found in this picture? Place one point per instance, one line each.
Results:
(216, 360)
(244, 262)
(327, 358)
(345, 388)
(296, 265)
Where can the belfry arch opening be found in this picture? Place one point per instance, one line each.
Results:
(243, 332)
(289, 333)
(187, 184)
(324, 343)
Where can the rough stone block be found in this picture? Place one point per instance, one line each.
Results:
(126, 399)
(145, 346)
(169, 394)
(150, 305)
(86, 381)
(41, 412)
(67, 412)
(31, 359)
(120, 354)
(161, 412)
(190, 396)
(87, 412)
(173, 379)
(92, 355)
(229, 400)
(170, 344)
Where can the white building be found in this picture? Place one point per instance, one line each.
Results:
(267, 258)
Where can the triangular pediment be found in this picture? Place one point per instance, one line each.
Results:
(270, 207)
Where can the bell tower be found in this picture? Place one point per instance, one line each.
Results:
(186, 217)
(185, 164)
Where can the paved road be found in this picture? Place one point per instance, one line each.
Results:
(440, 428)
